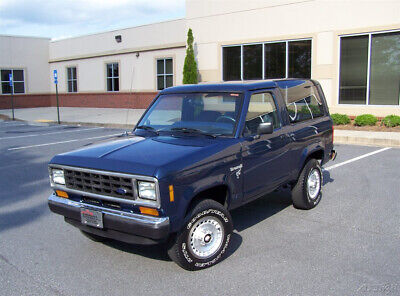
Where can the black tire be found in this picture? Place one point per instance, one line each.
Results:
(301, 195)
(93, 237)
(182, 249)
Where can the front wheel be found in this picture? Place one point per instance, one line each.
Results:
(306, 194)
(205, 237)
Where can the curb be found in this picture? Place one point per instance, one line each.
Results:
(362, 141)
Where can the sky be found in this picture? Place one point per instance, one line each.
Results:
(68, 18)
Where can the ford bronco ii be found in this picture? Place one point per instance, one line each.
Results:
(198, 152)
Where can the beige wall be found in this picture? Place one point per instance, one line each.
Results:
(136, 73)
(29, 54)
(223, 22)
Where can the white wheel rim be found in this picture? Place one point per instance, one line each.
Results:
(205, 237)
(314, 183)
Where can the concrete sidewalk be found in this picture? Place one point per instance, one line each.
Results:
(111, 117)
(127, 118)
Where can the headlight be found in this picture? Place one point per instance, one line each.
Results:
(57, 176)
(147, 190)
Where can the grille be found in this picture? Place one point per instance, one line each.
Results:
(102, 184)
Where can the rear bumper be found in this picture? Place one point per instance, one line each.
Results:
(118, 225)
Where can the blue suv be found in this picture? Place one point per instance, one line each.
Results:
(198, 152)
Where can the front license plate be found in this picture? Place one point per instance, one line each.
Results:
(91, 218)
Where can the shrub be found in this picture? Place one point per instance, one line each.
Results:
(339, 119)
(391, 120)
(365, 119)
(190, 65)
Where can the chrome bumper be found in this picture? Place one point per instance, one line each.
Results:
(116, 223)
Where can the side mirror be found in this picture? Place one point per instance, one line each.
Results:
(265, 128)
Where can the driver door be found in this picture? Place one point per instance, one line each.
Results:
(265, 159)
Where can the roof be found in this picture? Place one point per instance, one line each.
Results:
(236, 86)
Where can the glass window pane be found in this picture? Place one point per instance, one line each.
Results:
(252, 62)
(168, 66)
(385, 69)
(5, 88)
(19, 87)
(75, 85)
(353, 70)
(116, 84)
(300, 59)
(169, 81)
(4, 75)
(160, 82)
(109, 84)
(275, 60)
(70, 86)
(160, 66)
(231, 63)
(115, 70)
(69, 75)
(109, 70)
(18, 75)
(74, 72)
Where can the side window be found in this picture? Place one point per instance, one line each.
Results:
(262, 108)
(302, 101)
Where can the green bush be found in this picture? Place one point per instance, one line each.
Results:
(339, 119)
(365, 119)
(391, 120)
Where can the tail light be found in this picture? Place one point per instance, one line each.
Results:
(333, 131)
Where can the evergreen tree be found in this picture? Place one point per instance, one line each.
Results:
(190, 66)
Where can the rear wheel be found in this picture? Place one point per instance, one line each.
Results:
(306, 194)
(205, 237)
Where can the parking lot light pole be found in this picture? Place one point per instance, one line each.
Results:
(58, 105)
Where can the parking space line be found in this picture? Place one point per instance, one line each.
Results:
(51, 133)
(62, 142)
(355, 159)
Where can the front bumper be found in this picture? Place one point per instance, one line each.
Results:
(118, 225)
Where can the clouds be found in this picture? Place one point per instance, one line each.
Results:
(76, 17)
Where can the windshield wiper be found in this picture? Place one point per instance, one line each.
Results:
(148, 128)
(193, 131)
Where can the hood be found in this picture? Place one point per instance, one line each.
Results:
(140, 155)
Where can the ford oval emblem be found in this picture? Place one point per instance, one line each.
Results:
(121, 191)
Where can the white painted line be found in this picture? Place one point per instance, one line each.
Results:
(52, 133)
(62, 142)
(15, 123)
(355, 159)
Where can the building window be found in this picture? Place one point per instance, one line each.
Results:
(18, 81)
(72, 80)
(165, 75)
(267, 60)
(112, 77)
(370, 69)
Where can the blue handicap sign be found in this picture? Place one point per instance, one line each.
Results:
(55, 77)
(10, 79)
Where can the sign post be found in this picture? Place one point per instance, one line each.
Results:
(58, 106)
(10, 80)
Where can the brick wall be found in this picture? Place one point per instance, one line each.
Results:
(134, 100)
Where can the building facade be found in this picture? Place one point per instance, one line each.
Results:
(351, 47)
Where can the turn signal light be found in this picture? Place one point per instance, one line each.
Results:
(148, 211)
(62, 194)
(171, 193)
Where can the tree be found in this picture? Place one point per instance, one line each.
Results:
(190, 66)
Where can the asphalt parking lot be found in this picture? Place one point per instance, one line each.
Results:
(348, 245)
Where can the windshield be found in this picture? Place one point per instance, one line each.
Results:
(211, 113)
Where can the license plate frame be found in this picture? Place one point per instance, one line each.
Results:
(92, 218)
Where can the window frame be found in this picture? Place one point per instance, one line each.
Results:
(14, 81)
(164, 75)
(286, 41)
(367, 99)
(72, 79)
(112, 77)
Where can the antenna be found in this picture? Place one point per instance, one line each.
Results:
(130, 93)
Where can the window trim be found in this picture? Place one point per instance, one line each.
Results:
(286, 41)
(164, 74)
(13, 86)
(367, 99)
(112, 77)
(68, 80)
